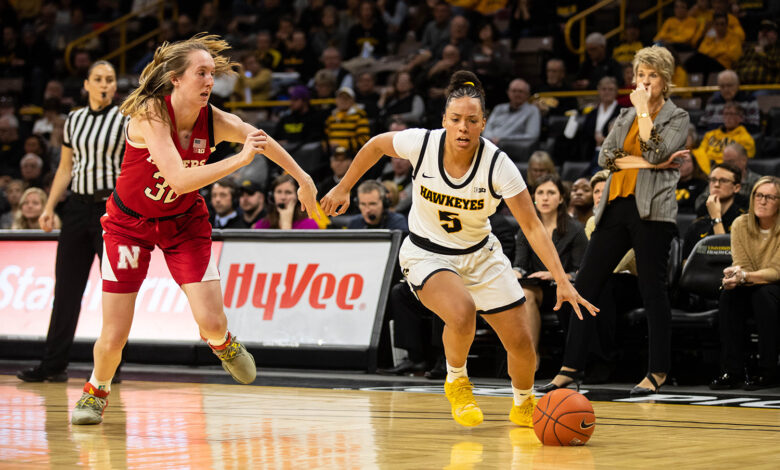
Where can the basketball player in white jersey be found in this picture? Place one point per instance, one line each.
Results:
(450, 259)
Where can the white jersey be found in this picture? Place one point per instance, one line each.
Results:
(453, 212)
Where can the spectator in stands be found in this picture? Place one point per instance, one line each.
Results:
(624, 100)
(555, 80)
(723, 205)
(331, 61)
(728, 90)
(736, 155)
(679, 30)
(74, 82)
(716, 52)
(442, 52)
(539, 164)
(300, 124)
(367, 38)
(394, 19)
(10, 65)
(366, 94)
(760, 62)
(400, 101)
(13, 193)
(568, 236)
(752, 286)
(330, 33)
(597, 65)
(298, 57)
(224, 200)
(491, 60)
(35, 57)
(624, 52)
(254, 80)
(706, 18)
(438, 29)
(374, 209)
(340, 159)
(36, 145)
(50, 125)
(638, 211)
(596, 126)
(437, 78)
(400, 176)
(711, 148)
(31, 206)
(11, 147)
(581, 205)
(284, 211)
(691, 184)
(209, 20)
(517, 120)
(347, 125)
(31, 169)
(324, 88)
(269, 57)
(251, 200)
(185, 29)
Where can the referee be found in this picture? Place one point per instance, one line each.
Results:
(92, 150)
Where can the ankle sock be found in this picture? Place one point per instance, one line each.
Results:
(456, 372)
(104, 385)
(218, 343)
(521, 395)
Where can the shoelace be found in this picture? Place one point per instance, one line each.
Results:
(230, 351)
(462, 394)
(89, 401)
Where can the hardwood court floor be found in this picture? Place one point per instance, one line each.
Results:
(178, 425)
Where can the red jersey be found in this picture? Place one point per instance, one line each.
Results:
(140, 185)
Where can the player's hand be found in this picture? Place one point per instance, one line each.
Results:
(543, 275)
(46, 220)
(307, 196)
(255, 143)
(567, 293)
(336, 202)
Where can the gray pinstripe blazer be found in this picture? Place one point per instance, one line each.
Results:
(655, 189)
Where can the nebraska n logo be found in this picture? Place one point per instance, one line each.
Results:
(128, 254)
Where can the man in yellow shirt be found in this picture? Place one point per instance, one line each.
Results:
(679, 29)
(716, 52)
(711, 149)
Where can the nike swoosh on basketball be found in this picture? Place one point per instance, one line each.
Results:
(585, 425)
(426, 176)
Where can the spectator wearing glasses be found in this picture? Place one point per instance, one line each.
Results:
(734, 154)
(751, 286)
(724, 204)
(710, 151)
(728, 90)
(719, 51)
(516, 120)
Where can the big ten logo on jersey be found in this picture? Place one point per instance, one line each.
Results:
(199, 145)
(322, 286)
(128, 256)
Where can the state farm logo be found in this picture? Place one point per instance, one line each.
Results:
(321, 287)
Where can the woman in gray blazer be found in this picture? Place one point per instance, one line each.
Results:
(638, 210)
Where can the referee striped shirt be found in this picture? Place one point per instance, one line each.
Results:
(98, 144)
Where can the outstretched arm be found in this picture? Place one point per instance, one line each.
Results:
(541, 242)
(336, 201)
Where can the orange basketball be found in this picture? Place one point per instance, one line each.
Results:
(564, 417)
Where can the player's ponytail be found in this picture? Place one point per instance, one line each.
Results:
(465, 84)
(171, 60)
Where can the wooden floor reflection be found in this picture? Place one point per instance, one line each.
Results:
(174, 425)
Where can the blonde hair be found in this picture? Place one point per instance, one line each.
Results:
(752, 225)
(659, 59)
(20, 222)
(171, 60)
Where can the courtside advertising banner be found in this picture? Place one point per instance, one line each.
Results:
(303, 293)
(162, 313)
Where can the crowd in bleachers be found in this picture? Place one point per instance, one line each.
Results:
(384, 65)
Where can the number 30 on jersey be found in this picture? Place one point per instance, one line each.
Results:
(162, 190)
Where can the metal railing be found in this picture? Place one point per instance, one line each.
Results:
(581, 19)
(121, 24)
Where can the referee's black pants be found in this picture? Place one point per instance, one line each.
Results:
(620, 229)
(81, 238)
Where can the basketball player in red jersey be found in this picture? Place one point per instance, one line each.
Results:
(171, 132)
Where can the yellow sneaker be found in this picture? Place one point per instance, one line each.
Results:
(523, 414)
(464, 409)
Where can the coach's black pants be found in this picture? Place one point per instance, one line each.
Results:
(619, 229)
(81, 238)
(736, 305)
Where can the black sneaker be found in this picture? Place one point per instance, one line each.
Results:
(725, 381)
(37, 374)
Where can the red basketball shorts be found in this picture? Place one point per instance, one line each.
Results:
(128, 243)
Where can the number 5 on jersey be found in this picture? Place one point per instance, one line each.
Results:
(162, 189)
(452, 224)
